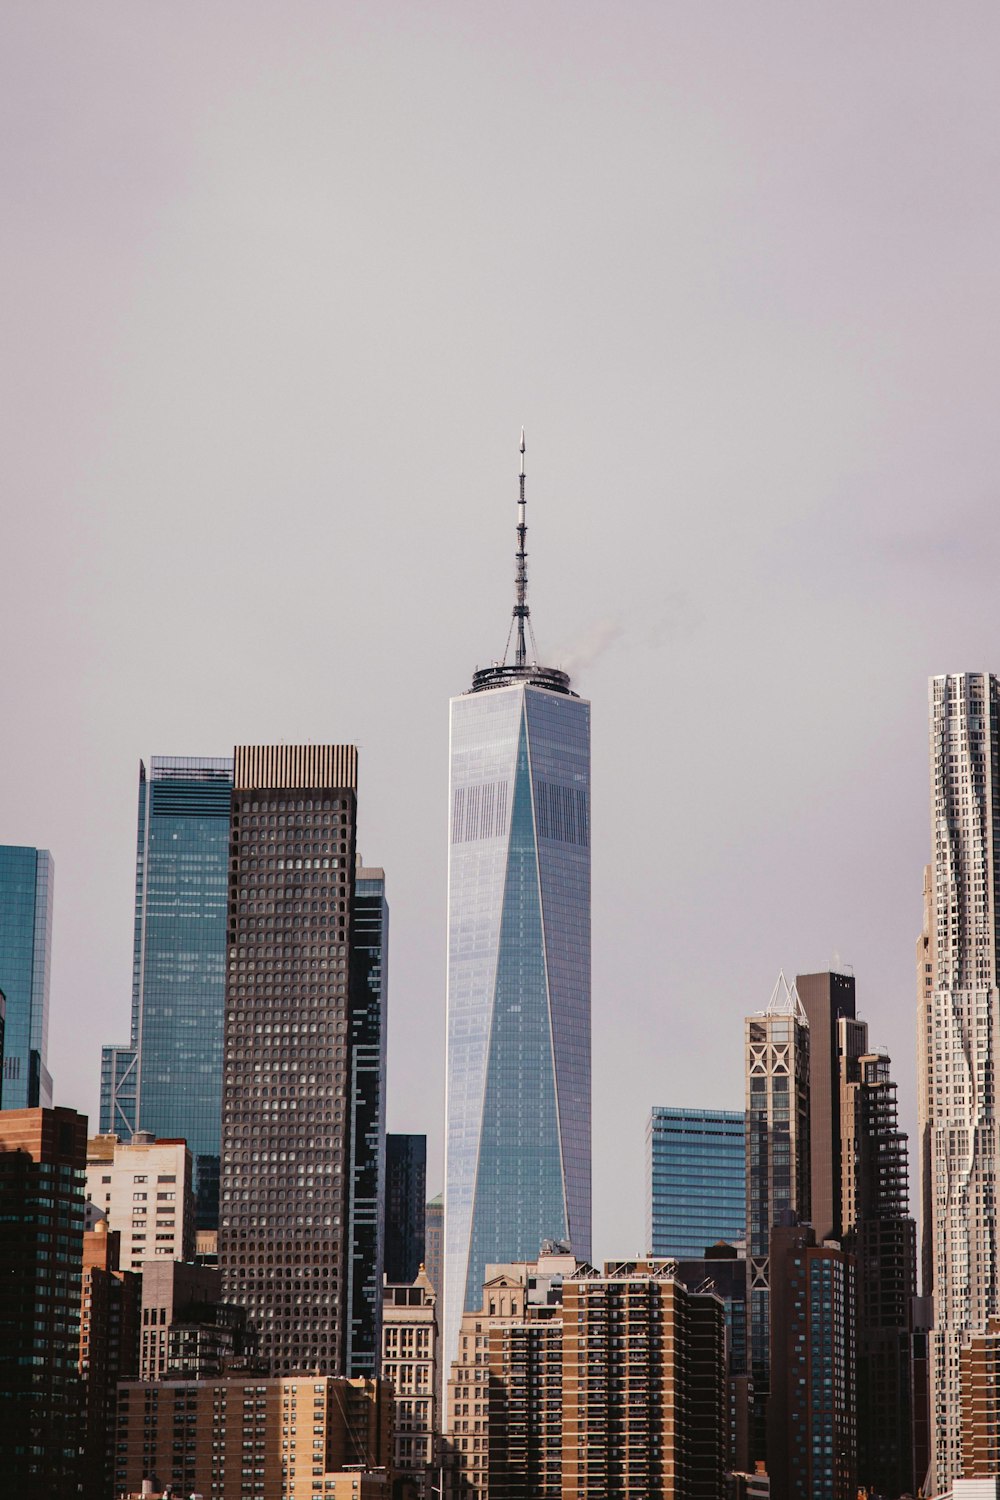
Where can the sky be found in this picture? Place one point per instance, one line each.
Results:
(279, 286)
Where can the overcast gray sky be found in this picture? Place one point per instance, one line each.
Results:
(280, 283)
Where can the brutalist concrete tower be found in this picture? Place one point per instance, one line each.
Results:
(518, 1069)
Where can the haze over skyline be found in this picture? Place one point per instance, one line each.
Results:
(275, 305)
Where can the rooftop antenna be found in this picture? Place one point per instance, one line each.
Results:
(521, 610)
(523, 668)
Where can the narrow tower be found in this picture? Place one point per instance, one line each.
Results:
(518, 1069)
(777, 1173)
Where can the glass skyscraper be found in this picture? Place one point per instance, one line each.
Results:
(695, 1179)
(26, 885)
(517, 1168)
(369, 986)
(168, 1078)
(405, 1207)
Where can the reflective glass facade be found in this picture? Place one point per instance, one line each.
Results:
(369, 992)
(119, 1072)
(695, 1180)
(518, 1076)
(405, 1207)
(26, 886)
(168, 1079)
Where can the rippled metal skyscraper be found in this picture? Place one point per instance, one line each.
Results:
(959, 1041)
(518, 1078)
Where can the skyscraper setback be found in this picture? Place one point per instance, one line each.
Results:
(291, 1057)
(959, 1038)
(518, 1069)
(167, 1079)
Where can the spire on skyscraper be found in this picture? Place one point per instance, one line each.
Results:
(785, 1001)
(501, 673)
(522, 612)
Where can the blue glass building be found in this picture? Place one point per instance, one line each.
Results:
(26, 886)
(168, 1078)
(695, 1180)
(518, 1138)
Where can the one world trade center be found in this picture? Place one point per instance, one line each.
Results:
(517, 1170)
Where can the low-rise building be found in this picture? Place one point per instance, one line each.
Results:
(643, 1386)
(187, 1333)
(980, 1376)
(513, 1293)
(409, 1364)
(295, 1438)
(574, 1383)
(143, 1190)
(109, 1352)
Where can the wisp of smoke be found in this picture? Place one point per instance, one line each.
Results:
(596, 639)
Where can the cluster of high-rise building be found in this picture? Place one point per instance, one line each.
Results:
(237, 1286)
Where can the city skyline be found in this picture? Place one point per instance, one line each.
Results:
(759, 399)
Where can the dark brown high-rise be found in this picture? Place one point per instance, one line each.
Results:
(109, 1351)
(825, 998)
(43, 1156)
(285, 1173)
(811, 1410)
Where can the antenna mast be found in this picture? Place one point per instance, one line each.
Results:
(521, 611)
